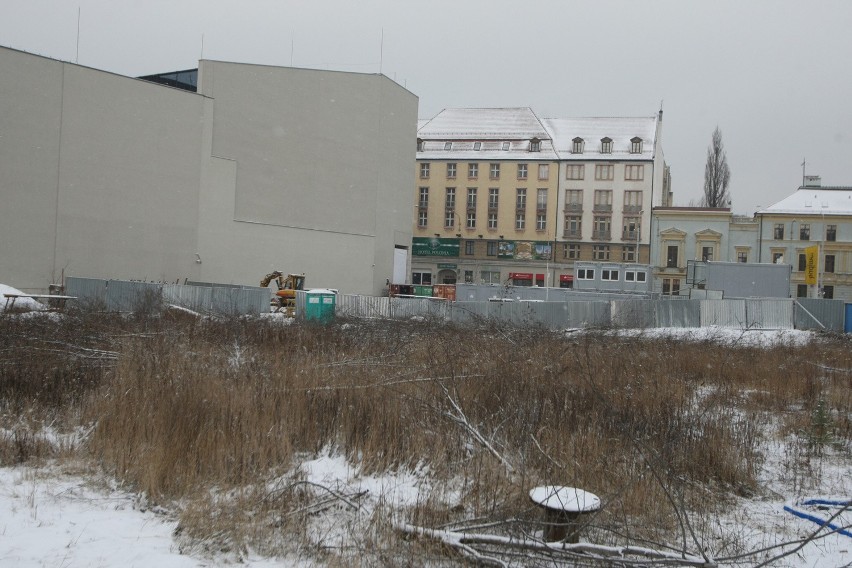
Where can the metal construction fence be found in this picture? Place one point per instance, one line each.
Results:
(131, 296)
(553, 308)
(752, 313)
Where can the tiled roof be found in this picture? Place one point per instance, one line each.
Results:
(826, 200)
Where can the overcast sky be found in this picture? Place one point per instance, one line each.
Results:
(774, 75)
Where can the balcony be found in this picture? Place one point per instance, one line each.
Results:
(571, 234)
(603, 208)
(633, 236)
(601, 235)
(572, 207)
(635, 209)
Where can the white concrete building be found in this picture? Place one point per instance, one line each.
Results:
(262, 168)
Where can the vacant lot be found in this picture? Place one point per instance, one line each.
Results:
(224, 424)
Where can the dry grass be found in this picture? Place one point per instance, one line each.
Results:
(178, 406)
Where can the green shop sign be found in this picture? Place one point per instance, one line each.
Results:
(525, 250)
(434, 246)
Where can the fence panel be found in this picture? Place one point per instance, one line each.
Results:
(809, 313)
(87, 290)
(769, 313)
(634, 314)
(724, 313)
(350, 305)
(678, 313)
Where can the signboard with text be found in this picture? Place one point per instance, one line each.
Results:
(434, 246)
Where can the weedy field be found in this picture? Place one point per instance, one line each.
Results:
(225, 424)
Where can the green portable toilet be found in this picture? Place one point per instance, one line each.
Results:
(319, 305)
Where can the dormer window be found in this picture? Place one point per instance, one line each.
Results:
(535, 145)
(505, 146)
(577, 146)
(477, 146)
(448, 145)
(606, 145)
(420, 144)
(636, 145)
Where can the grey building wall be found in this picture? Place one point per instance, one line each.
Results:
(106, 176)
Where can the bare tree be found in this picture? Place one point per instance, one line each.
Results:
(717, 175)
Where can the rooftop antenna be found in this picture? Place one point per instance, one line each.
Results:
(804, 161)
(77, 57)
(381, 51)
(202, 47)
(292, 46)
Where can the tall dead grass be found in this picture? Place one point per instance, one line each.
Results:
(188, 404)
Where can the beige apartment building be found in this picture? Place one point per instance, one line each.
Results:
(503, 197)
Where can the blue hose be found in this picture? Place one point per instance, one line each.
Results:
(818, 520)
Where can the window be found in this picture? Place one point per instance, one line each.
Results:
(541, 199)
(575, 171)
(831, 233)
(804, 232)
(672, 256)
(634, 173)
(707, 254)
(778, 232)
(451, 169)
(535, 145)
(803, 262)
(632, 201)
(489, 277)
(634, 276)
(603, 200)
(468, 247)
(504, 146)
(610, 275)
(449, 218)
(828, 292)
(422, 218)
(606, 145)
(424, 278)
(573, 199)
(477, 146)
(471, 198)
(540, 222)
(602, 227)
(495, 171)
(630, 229)
(520, 220)
(585, 274)
(492, 220)
(424, 197)
(801, 290)
(424, 171)
(450, 201)
(628, 253)
(828, 263)
(742, 256)
(491, 248)
(604, 172)
(571, 251)
(636, 145)
(544, 171)
(577, 146)
(521, 199)
(493, 197)
(522, 171)
(671, 286)
(600, 252)
(470, 223)
(468, 276)
(448, 145)
(573, 226)
(420, 145)
(777, 257)
(473, 171)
